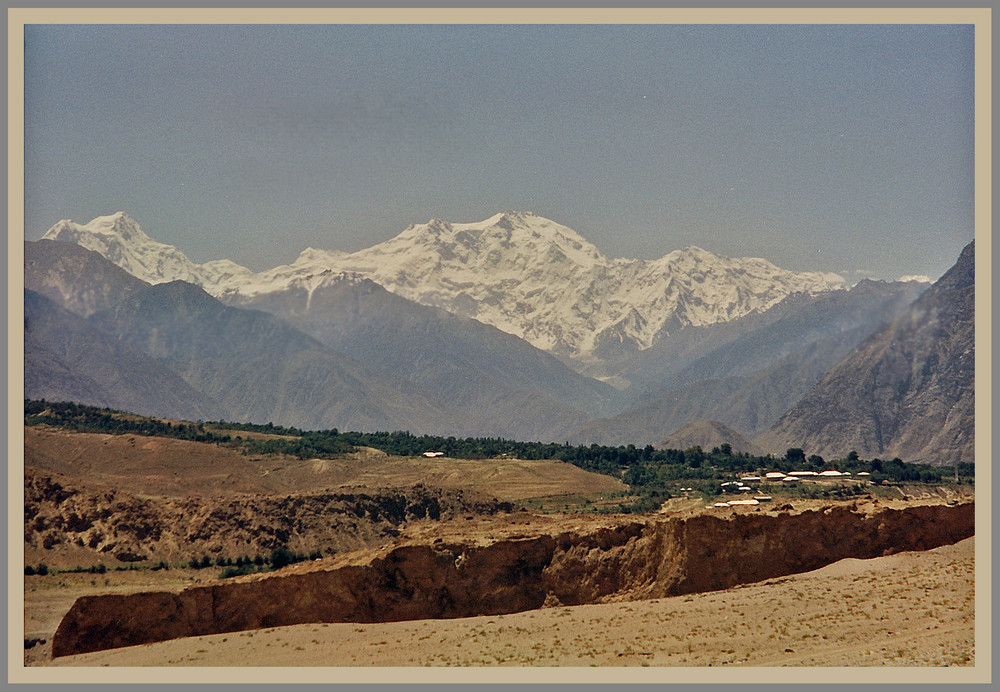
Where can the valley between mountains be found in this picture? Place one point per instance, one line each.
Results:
(513, 327)
(485, 444)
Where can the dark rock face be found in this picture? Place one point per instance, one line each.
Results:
(907, 391)
(455, 579)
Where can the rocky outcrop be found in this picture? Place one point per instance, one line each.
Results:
(908, 391)
(447, 578)
(60, 511)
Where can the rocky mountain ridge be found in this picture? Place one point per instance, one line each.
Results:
(432, 313)
(746, 377)
(907, 391)
(524, 274)
(394, 364)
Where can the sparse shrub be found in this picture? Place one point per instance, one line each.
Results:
(29, 571)
(237, 571)
(280, 557)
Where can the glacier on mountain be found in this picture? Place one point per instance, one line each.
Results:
(517, 271)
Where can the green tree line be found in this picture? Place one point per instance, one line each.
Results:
(640, 467)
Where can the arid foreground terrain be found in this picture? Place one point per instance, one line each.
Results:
(481, 582)
(908, 609)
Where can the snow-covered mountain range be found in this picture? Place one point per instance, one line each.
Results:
(524, 274)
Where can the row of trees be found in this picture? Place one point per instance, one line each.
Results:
(640, 467)
(84, 418)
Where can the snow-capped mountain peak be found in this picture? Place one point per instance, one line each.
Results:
(515, 270)
(113, 226)
(121, 240)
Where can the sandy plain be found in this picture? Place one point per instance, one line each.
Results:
(908, 609)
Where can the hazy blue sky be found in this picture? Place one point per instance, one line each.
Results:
(838, 148)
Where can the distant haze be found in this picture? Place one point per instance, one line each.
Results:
(840, 148)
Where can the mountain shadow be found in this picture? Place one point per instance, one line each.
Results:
(263, 369)
(68, 359)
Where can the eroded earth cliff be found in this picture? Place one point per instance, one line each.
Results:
(520, 564)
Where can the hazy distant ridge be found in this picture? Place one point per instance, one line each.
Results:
(524, 274)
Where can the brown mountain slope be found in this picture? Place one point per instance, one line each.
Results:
(180, 468)
(907, 391)
(707, 434)
(95, 497)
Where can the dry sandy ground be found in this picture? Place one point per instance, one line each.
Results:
(158, 466)
(909, 609)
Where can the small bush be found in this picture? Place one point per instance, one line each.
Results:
(237, 571)
(280, 557)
